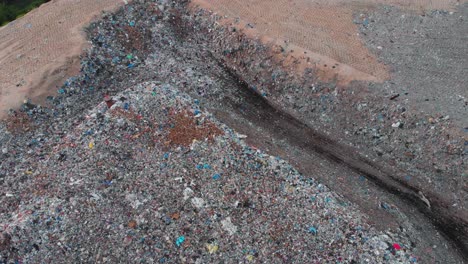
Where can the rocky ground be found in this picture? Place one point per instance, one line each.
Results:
(135, 159)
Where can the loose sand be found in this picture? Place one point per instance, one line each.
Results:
(40, 50)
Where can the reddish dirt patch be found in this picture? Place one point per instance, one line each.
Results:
(41, 185)
(127, 114)
(132, 224)
(18, 123)
(146, 126)
(133, 40)
(186, 130)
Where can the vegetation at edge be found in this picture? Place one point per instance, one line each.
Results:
(12, 9)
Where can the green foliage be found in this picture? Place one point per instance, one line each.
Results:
(12, 9)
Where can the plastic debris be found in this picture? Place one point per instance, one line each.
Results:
(229, 226)
(212, 248)
(396, 246)
(109, 101)
(313, 230)
(132, 224)
(188, 193)
(198, 202)
(179, 241)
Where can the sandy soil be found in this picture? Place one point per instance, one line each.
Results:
(40, 50)
(323, 34)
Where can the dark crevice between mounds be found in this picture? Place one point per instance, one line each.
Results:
(283, 125)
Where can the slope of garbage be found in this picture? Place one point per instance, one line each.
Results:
(156, 178)
(136, 160)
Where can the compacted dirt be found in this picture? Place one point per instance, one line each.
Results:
(326, 32)
(323, 32)
(39, 51)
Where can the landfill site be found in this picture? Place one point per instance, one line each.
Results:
(235, 131)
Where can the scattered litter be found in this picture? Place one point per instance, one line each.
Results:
(175, 216)
(188, 193)
(132, 224)
(229, 226)
(313, 230)
(179, 241)
(212, 248)
(396, 246)
(198, 202)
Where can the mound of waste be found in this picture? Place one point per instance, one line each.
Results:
(133, 160)
(156, 178)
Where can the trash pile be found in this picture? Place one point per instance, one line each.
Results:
(127, 164)
(154, 177)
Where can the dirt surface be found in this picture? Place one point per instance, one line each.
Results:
(427, 66)
(41, 50)
(325, 34)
